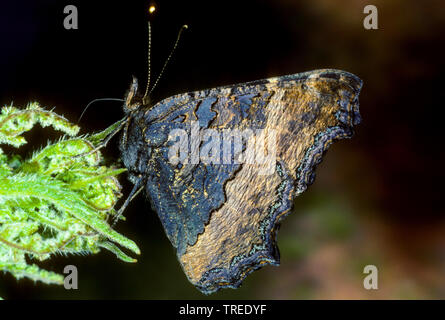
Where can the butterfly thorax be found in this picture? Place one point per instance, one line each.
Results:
(134, 150)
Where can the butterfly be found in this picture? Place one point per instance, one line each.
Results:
(222, 166)
(219, 206)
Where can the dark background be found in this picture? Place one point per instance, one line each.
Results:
(377, 198)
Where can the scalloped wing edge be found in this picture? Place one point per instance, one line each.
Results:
(268, 254)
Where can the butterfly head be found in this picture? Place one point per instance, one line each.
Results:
(133, 100)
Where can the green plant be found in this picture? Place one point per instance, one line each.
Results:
(54, 202)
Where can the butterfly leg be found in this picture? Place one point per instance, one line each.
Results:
(104, 137)
(138, 187)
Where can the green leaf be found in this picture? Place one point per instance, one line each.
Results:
(56, 201)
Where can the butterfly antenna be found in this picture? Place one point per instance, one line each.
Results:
(145, 98)
(169, 57)
(95, 100)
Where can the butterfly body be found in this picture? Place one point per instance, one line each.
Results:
(221, 210)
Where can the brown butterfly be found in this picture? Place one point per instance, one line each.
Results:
(220, 206)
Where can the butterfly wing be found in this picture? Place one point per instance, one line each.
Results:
(223, 217)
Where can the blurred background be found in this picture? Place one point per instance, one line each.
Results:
(377, 198)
